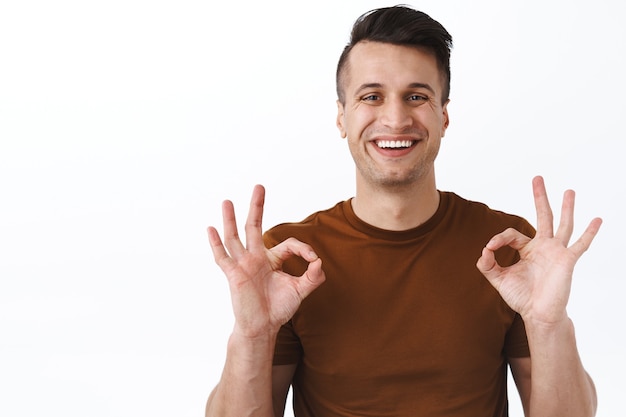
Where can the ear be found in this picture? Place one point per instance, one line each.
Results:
(340, 121)
(445, 119)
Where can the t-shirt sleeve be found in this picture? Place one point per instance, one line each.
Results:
(516, 342)
(288, 349)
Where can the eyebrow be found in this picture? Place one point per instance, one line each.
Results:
(379, 85)
(422, 85)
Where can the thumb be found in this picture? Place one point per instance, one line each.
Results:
(311, 279)
(489, 267)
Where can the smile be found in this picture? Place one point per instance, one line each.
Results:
(395, 144)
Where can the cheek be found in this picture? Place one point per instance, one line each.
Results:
(359, 123)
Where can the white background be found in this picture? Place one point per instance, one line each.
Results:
(124, 124)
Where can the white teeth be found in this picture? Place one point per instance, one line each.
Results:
(394, 143)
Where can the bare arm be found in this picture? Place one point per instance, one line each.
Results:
(281, 377)
(246, 383)
(553, 381)
(263, 298)
(521, 369)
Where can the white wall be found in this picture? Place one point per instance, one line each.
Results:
(124, 124)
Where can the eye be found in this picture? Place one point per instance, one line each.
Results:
(417, 97)
(371, 97)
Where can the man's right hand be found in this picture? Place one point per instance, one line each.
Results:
(263, 296)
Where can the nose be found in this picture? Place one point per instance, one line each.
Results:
(395, 114)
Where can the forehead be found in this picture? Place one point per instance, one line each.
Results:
(392, 65)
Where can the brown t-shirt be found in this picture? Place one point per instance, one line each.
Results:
(405, 324)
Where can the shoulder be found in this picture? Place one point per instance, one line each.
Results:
(333, 217)
(480, 215)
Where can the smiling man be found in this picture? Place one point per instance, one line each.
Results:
(404, 300)
(393, 113)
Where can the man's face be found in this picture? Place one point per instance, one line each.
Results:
(392, 117)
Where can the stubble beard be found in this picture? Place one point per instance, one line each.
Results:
(394, 179)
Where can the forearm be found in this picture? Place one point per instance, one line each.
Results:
(245, 388)
(560, 384)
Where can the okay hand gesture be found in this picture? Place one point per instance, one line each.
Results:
(538, 285)
(263, 296)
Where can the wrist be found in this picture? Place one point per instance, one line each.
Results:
(256, 334)
(547, 333)
(252, 344)
(546, 321)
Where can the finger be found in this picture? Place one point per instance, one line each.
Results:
(545, 219)
(582, 244)
(566, 224)
(219, 252)
(489, 267)
(231, 234)
(510, 237)
(311, 279)
(290, 247)
(254, 235)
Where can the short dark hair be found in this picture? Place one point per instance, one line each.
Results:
(400, 25)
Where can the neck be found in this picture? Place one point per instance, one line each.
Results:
(399, 208)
